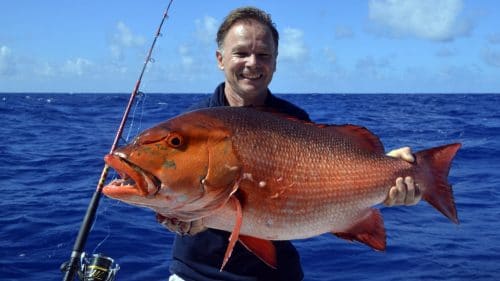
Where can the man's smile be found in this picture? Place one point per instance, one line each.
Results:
(251, 76)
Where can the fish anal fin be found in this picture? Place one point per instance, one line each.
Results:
(263, 249)
(369, 230)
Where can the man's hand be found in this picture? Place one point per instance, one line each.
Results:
(405, 192)
(403, 153)
(181, 227)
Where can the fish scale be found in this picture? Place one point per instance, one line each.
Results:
(332, 181)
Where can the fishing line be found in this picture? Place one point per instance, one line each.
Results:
(137, 113)
(141, 100)
(131, 131)
(108, 234)
(77, 255)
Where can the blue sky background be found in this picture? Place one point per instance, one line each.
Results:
(396, 46)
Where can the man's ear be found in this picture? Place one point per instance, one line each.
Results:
(275, 61)
(218, 55)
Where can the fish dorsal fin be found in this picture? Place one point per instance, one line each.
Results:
(277, 113)
(368, 230)
(359, 135)
(263, 249)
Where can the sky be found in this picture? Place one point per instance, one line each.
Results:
(338, 46)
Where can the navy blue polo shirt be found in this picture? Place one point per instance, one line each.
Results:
(199, 257)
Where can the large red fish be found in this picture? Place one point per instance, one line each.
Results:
(264, 177)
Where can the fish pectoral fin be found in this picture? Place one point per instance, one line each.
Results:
(369, 230)
(263, 249)
(233, 238)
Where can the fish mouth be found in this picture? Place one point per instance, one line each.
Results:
(134, 180)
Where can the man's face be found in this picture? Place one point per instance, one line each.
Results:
(248, 59)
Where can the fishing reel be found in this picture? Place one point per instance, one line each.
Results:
(97, 268)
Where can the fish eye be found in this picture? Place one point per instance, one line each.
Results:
(175, 140)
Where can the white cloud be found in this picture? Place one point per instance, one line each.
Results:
(206, 29)
(79, 66)
(116, 52)
(23, 67)
(193, 60)
(436, 20)
(123, 39)
(292, 45)
(7, 64)
(330, 55)
(44, 69)
(187, 59)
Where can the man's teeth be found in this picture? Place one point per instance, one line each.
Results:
(252, 76)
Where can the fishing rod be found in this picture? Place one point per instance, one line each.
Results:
(99, 267)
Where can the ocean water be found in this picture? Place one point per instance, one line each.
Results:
(51, 156)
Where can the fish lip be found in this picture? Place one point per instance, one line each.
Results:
(146, 184)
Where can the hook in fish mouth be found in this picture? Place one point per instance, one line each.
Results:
(134, 180)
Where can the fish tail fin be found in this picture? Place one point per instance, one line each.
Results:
(434, 168)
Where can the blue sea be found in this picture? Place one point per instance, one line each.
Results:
(51, 157)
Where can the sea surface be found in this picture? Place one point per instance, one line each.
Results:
(51, 157)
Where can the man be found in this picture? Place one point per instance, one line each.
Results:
(247, 51)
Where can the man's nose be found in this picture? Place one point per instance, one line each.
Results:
(252, 60)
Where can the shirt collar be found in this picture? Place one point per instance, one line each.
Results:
(219, 97)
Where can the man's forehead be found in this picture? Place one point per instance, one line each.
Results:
(245, 44)
(249, 25)
(245, 32)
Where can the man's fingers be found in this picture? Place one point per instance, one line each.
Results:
(401, 188)
(181, 227)
(407, 155)
(410, 191)
(416, 192)
(405, 192)
(394, 193)
(389, 201)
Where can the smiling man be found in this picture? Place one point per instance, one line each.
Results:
(247, 54)
(247, 51)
